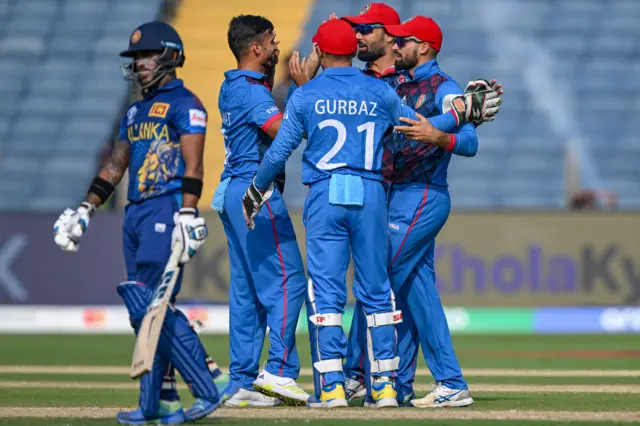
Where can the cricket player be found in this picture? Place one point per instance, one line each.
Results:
(161, 142)
(376, 49)
(345, 115)
(419, 205)
(267, 275)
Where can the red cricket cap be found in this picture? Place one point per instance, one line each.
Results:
(336, 37)
(420, 27)
(375, 13)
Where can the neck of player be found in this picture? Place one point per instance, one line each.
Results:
(383, 63)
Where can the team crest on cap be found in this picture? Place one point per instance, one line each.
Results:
(365, 9)
(421, 100)
(135, 37)
(409, 20)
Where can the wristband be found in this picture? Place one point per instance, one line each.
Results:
(192, 186)
(102, 188)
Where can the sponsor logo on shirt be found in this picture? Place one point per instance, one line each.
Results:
(197, 118)
(273, 109)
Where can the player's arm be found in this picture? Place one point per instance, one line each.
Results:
(288, 139)
(464, 141)
(192, 148)
(109, 175)
(72, 224)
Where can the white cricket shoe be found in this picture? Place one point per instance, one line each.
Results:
(442, 397)
(283, 388)
(355, 389)
(247, 398)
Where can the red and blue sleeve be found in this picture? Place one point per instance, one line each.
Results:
(264, 111)
(191, 117)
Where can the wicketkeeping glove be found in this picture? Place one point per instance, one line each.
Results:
(477, 104)
(190, 232)
(71, 226)
(252, 202)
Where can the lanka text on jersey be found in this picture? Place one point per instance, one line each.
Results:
(152, 127)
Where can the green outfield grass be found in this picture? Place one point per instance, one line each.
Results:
(591, 354)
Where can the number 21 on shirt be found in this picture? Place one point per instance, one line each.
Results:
(368, 127)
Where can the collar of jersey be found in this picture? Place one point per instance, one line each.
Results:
(426, 70)
(388, 71)
(342, 71)
(233, 74)
(173, 84)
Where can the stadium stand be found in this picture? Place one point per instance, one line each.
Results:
(61, 91)
(569, 69)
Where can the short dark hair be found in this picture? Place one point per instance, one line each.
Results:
(244, 30)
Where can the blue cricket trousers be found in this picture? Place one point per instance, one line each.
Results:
(267, 286)
(417, 213)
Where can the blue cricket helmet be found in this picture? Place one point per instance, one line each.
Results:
(158, 37)
(153, 36)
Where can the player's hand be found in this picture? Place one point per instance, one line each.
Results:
(420, 130)
(252, 202)
(477, 104)
(312, 63)
(482, 84)
(297, 69)
(190, 232)
(71, 226)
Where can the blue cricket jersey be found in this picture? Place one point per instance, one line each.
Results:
(152, 127)
(345, 115)
(248, 110)
(410, 161)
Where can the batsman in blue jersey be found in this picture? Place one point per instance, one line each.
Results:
(267, 285)
(161, 143)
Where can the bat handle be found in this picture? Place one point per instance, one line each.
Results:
(174, 259)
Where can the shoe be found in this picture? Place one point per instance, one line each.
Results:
(442, 397)
(405, 401)
(247, 398)
(332, 396)
(383, 394)
(169, 413)
(355, 389)
(283, 388)
(222, 381)
(200, 408)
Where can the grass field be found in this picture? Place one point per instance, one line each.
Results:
(515, 379)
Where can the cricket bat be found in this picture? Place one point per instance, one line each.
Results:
(149, 333)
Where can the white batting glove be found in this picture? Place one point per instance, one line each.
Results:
(190, 232)
(71, 226)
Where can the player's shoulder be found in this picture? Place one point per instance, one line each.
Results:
(442, 80)
(184, 98)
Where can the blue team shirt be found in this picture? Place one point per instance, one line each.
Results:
(410, 161)
(152, 127)
(247, 109)
(345, 115)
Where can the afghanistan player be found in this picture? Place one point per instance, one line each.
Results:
(161, 142)
(267, 275)
(345, 115)
(376, 49)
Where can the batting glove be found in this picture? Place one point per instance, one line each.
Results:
(71, 226)
(190, 232)
(252, 202)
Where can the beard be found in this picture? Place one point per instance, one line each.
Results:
(271, 61)
(407, 62)
(373, 52)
